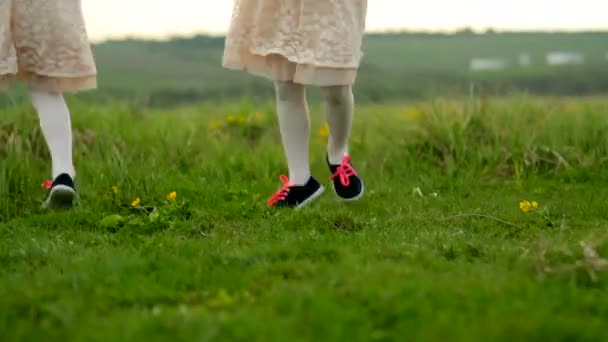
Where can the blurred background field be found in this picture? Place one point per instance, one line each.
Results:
(397, 67)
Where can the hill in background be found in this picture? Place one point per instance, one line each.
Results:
(397, 66)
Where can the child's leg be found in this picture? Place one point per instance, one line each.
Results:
(294, 123)
(347, 183)
(56, 126)
(340, 108)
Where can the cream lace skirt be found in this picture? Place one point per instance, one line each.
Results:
(44, 43)
(312, 42)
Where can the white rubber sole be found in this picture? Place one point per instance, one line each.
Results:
(312, 198)
(354, 199)
(60, 197)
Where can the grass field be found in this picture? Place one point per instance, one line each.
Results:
(438, 250)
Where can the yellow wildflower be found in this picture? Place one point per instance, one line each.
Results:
(527, 206)
(136, 202)
(215, 124)
(413, 113)
(324, 131)
(231, 119)
(114, 189)
(172, 196)
(258, 117)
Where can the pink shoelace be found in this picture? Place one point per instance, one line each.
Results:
(344, 172)
(282, 193)
(47, 185)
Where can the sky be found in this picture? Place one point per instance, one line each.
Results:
(160, 19)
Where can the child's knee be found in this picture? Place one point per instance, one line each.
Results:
(290, 92)
(338, 95)
(43, 85)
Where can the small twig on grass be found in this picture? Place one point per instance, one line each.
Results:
(486, 217)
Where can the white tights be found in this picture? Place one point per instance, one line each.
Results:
(56, 126)
(294, 122)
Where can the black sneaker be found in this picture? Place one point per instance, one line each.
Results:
(294, 196)
(347, 183)
(61, 192)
